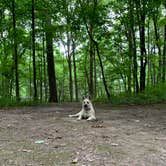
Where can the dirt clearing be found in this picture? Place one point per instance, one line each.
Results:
(46, 136)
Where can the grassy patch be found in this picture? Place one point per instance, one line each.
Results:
(12, 102)
(153, 94)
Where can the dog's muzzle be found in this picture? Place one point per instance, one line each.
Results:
(86, 106)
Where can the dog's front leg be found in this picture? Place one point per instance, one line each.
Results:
(81, 113)
(75, 115)
(91, 118)
(80, 117)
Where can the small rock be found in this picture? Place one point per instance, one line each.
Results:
(136, 120)
(26, 150)
(39, 142)
(114, 144)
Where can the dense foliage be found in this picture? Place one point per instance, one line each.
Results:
(60, 50)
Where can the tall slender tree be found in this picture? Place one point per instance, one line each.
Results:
(69, 61)
(15, 53)
(91, 68)
(157, 38)
(33, 50)
(141, 15)
(75, 70)
(164, 51)
(133, 46)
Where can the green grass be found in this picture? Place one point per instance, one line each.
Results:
(155, 94)
(12, 102)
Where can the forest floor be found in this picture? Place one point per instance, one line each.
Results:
(46, 136)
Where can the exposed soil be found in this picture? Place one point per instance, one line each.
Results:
(46, 136)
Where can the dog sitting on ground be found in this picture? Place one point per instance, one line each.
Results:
(87, 111)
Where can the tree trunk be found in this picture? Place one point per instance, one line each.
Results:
(130, 43)
(44, 70)
(143, 59)
(154, 74)
(135, 62)
(70, 67)
(100, 62)
(70, 78)
(15, 54)
(91, 54)
(134, 51)
(75, 72)
(33, 50)
(41, 79)
(149, 55)
(164, 54)
(102, 71)
(95, 76)
(50, 65)
(157, 37)
(164, 57)
(86, 78)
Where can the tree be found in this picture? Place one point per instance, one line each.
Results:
(93, 12)
(141, 15)
(77, 47)
(15, 54)
(75, 70)
(50, 64)
(33, 50)
(164, 52)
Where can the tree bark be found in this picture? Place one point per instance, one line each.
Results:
(95, 76)
(70, 78)
(134, 50)
(91, 54)
(53, 97)
(70, 67)
(44, 69)
(75, 72)
(143, 57)
(157, 37)
(135, 62)
(41, 79)
(164, 57)
(130, 43)
(33, 50)
(15, 54)
(140, 7)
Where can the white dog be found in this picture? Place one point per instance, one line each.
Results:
(87, 111)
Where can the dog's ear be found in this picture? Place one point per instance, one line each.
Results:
(88, 97)
(83, 97)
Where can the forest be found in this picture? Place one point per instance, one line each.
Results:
(58, 51)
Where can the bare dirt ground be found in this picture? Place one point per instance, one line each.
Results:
(46, 136)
